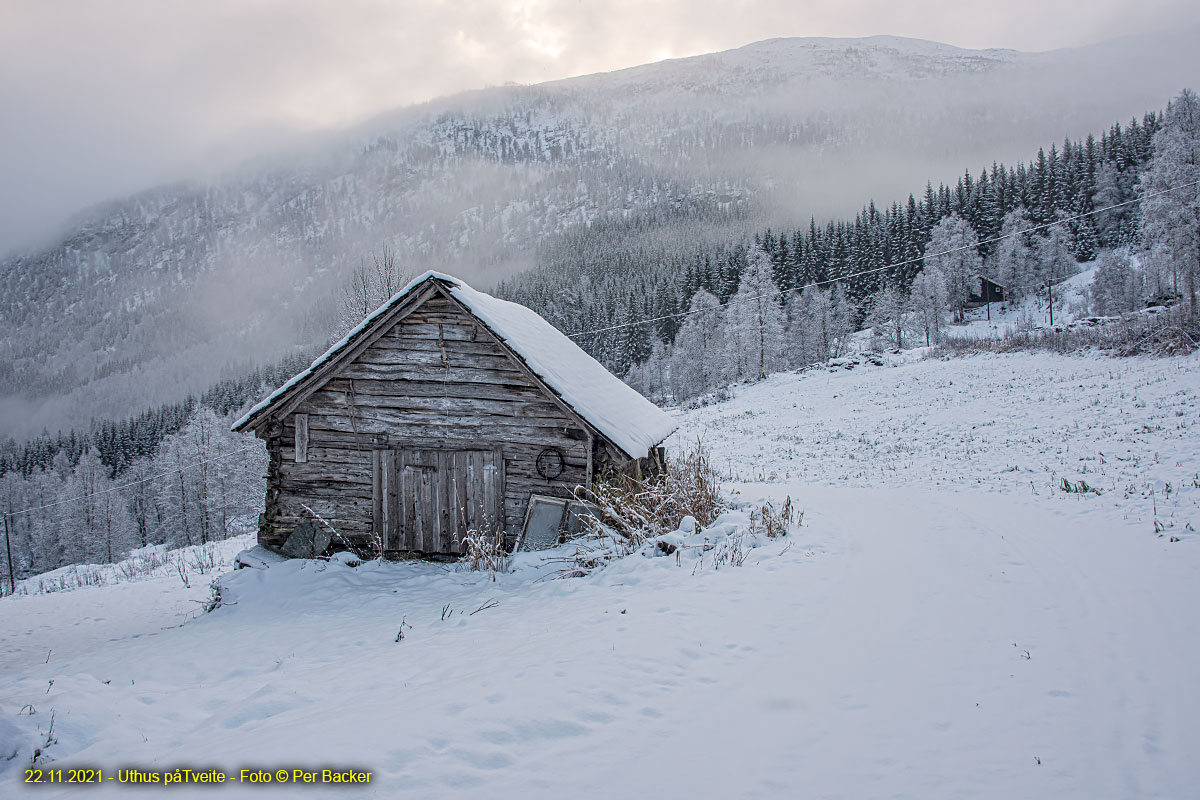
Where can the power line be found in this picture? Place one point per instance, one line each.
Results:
(873, 270)
(119, 487)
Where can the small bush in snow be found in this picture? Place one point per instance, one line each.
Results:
(775, 522)
(214, 597)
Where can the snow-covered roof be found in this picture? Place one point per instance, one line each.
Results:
(624, 417)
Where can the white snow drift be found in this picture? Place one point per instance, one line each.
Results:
(948, 622)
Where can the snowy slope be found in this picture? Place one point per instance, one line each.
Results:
(946, 623)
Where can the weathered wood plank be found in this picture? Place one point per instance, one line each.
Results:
(348, 452)
(330, 402)
(301, 450)
(340, 456)
(378, 496)
(432, 374)
(433, 426)
(462, 332)
(444, 479)
(463, 348)
(330, 509)
(325, 471)
(438, 388)
(392, 494)
(328, 489)
(399, 425)
(353, 486)
(447, 361)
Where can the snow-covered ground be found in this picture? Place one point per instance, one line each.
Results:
(948, 622)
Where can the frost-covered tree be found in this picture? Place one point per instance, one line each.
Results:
(819, 325)
(39, 532)
(1117, 286)
(370, 286)
(954, 249)
(94, 525)
(807, 336)
(1053, 254)
(887, 315)
(1012, 262)
(1171, 219)
(754, 322)
(839, 323)
(801, 341)
(929, 301)
(651, 378)
(1114, 186)
(207, 481)
(699, 348)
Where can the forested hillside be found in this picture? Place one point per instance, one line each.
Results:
(151, 298)
(1020, 225)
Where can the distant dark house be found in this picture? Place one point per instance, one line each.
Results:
(444, 411)
(986, 291)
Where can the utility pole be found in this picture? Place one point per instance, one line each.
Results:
(1050, 295)
(12, 576)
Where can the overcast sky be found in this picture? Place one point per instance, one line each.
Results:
(99, 99)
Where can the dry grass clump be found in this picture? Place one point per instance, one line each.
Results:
(185, 562)
(626, 511)
(484, 551)
(640, 509)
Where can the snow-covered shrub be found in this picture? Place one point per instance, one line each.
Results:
(730, 551)
(214, 596)
(346, 558)
(712, 398)
(146, 562)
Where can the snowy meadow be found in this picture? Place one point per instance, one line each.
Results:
(989, 595)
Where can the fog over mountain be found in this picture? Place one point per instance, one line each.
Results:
(152, 296)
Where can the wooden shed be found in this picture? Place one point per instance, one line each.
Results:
(444, 411)
(985, 291)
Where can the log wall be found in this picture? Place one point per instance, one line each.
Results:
(436, 380)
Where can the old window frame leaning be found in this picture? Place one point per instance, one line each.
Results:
(547, 529)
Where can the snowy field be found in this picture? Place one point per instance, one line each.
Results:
(947, 622)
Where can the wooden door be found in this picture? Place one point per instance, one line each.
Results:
(439, 495)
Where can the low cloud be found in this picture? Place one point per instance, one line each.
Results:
(101, 99)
